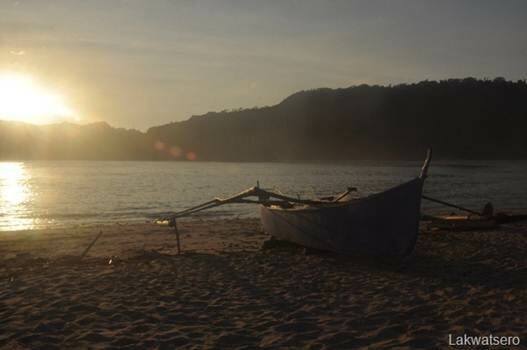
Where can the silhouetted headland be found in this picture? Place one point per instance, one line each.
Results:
(460, 118)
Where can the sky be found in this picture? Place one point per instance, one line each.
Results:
(141, 63)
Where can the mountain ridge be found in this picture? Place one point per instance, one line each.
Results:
(461, 118)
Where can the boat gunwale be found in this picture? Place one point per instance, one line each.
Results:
(333, 205)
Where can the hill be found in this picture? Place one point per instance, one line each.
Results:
(65, 141)
(460, 118)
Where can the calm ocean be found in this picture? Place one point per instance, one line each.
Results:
(39, 194)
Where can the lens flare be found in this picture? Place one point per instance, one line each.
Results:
(175, 152)
(192, 156)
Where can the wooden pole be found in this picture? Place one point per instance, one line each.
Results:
(198, 206)
(451, 205)
(350, 189)
(174, 223)
(91, 245)
(214, 203)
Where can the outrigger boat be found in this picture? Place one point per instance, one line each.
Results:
(384, 224)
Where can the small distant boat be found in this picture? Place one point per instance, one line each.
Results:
(462, 223)
(383, 224)
(472, 222)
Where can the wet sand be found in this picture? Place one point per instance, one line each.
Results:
(132, 290)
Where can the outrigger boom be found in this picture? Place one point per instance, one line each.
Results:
(263, 197)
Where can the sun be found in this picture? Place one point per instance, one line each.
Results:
(23, 99)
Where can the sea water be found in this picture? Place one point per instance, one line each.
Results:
(53, 193)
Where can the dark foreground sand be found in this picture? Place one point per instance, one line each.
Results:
(225, 292)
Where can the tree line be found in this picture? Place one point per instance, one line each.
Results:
(460, 118)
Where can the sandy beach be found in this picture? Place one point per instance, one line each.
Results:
(132, 290)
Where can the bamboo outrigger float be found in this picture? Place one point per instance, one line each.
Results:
(383, 224)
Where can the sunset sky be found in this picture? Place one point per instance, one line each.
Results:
(138, 63)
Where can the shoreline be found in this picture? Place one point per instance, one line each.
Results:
(210, 215)
(224, 291)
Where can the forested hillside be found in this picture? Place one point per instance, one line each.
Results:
(459, 118)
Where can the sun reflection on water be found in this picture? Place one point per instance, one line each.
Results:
(15, 193)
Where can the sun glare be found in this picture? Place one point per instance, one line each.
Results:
(23, 99)
(15, 192)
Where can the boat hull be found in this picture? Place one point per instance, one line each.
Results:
(385, 224)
